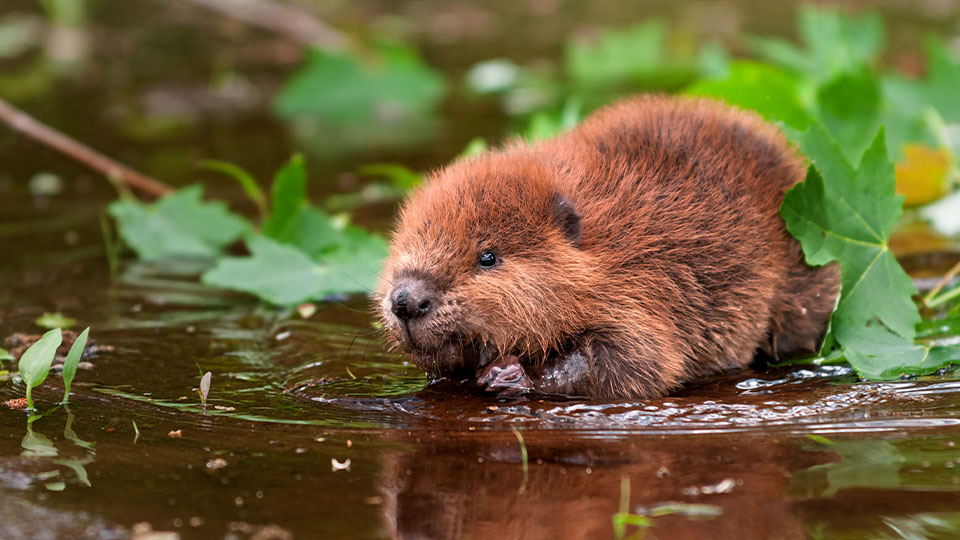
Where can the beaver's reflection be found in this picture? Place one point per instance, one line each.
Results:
(475, 486)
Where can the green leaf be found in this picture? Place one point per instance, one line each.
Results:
(546, 124)
(289, 194)
(72, 361)
(341, 87)
(54, 320)
(293, 221)
(833, 43)
(355, 264)
(849, 107)
(760, 88)
(403, 177)
(247, 182)
(180, 223)
(844, 214)
(618, 55)
(5, 356)
(877, 353)
(275, 272)
(284, 275)
(34, 365)
(910, 100)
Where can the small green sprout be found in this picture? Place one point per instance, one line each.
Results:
(35, 362)
(205, 387)
(72, 361)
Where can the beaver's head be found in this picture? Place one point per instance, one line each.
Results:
(486, 260)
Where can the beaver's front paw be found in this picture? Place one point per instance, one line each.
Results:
(505, 376)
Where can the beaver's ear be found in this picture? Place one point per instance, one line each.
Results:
(565, 216)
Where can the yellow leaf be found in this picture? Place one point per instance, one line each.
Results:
(922, 174)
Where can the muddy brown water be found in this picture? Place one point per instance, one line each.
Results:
(803, 452)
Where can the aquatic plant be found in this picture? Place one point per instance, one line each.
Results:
(71, 362)
(34, 365)
(35, 362)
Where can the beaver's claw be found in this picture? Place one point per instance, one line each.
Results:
(505, 376)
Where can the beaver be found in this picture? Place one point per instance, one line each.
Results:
(639, 251)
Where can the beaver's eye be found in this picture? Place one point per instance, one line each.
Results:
(487, 260)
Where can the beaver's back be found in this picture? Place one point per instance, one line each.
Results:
(680, 201)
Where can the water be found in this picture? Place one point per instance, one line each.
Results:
(789, 453)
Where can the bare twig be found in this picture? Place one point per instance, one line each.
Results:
(26, 125)
(288, 21)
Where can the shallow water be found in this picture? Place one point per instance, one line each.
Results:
(798, 452)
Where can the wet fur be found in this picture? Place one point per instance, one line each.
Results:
(682, 266)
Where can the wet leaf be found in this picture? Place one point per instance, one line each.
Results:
(844, 214)
(341, 87)
(923, 174)
(877, 353)
(54, 320)
(180, 223)
(72, 361)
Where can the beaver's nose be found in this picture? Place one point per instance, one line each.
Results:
(411, 300)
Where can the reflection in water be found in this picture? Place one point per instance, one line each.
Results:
(470, 487)
(36, 445)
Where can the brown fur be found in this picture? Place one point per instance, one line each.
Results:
(682, 268)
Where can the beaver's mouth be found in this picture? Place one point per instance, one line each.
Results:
(453, 355)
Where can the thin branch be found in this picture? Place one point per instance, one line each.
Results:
(26, 125)
(930, 299)
(288, 21)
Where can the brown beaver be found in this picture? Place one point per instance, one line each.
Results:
(641, 250)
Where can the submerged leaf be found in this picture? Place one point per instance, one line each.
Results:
(180, 223)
